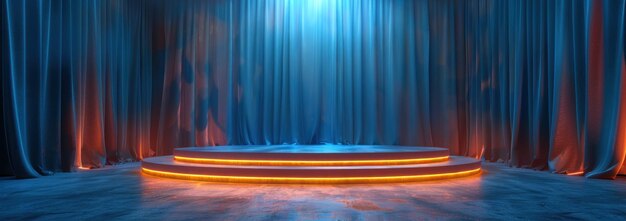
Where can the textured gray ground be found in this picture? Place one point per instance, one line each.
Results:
(502, 193)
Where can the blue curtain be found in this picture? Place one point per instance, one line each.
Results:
(537, 83)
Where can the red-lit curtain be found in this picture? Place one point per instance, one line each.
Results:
(546, 84)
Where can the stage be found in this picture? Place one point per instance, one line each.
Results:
(122, 192)
(312, 164)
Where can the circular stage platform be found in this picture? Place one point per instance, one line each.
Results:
(311, 164)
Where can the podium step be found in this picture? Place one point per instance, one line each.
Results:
(166, 166)
(311, 155)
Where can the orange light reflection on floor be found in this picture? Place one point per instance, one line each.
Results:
(575, 173)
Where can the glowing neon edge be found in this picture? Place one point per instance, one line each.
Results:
(310, 163)
(310, 180)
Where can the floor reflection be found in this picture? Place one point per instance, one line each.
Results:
(410, 200)
(500, 192)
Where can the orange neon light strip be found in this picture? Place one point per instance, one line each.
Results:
(310, 163)
(310, 180)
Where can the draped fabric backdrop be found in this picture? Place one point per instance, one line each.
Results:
(538, 84)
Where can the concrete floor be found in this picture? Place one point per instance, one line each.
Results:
(122, 193)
